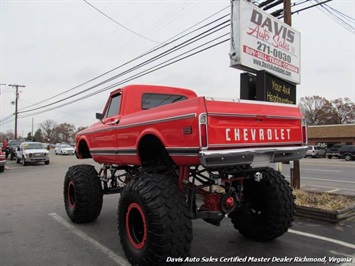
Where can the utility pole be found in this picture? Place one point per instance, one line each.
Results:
(295, 170)
(16, 104)
(287, 12)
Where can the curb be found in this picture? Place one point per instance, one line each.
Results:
(324, 215)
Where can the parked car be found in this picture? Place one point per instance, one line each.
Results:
(347, 152)
(2, 161)
(29, 152)
(315, 151)
(64, 149)
(333, 151)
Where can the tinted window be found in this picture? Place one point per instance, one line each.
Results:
(14, 143)
(347, 148)
(150, 100)
(114, 106)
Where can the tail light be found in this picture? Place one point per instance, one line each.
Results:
(304, 132)
(203, 130)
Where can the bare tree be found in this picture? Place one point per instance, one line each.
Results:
(320, 111)
(64, 132)
(48, 130)
(343, 111)
(312, 108)
(78, 129)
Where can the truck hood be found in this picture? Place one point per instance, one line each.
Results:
(35, 151)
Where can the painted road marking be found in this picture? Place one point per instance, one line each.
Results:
(324, 180)
(112, 255)
(333, 190)
(328, 180)
(123, 262)
(321, 170)
(338, 242)
(317, 186)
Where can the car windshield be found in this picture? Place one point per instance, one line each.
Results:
(32, 146)
(65, 146)
(14, 143)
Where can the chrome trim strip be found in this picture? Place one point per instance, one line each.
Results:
(248, 101)
(161, 120)
(114, 152)
(173, 118)
(235, 145)
(232, 157)
(254, 115)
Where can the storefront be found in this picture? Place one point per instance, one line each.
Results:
(329, 135)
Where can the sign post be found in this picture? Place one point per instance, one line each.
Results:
(263, 45)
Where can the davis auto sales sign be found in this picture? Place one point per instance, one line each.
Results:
(259, 41)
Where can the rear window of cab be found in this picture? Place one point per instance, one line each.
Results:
(150, 100)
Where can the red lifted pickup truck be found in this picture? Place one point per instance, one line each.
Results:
(175, 157)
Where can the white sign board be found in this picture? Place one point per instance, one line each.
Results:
(260, 41)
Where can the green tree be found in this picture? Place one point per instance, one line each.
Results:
(29, 136)
(38, 135)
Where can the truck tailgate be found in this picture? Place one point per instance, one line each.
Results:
(248, 130)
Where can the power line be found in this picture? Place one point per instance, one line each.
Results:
(186, 43)
(150, 60)
(179, 46)
(143, 73)
(326, 10)
(154, 49)
(119, 23)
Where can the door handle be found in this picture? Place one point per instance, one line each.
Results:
(114, 122)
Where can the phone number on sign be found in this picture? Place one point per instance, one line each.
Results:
(274, 52)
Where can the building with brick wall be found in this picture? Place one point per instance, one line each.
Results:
(331, 134)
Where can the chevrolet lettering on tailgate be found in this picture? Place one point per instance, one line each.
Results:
(261, 134)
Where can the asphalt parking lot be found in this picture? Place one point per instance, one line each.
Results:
(35, 230)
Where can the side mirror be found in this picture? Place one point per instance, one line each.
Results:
(98, 116)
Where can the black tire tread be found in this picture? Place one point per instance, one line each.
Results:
(278, 215)
(88, 193)
(168, 219)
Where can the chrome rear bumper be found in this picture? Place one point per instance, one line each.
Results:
(256, 157)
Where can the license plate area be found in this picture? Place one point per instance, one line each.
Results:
(261, 160)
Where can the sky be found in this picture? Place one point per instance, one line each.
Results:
(51, 47)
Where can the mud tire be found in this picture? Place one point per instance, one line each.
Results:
(154, 221)
(83, 194)
(269, 208)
